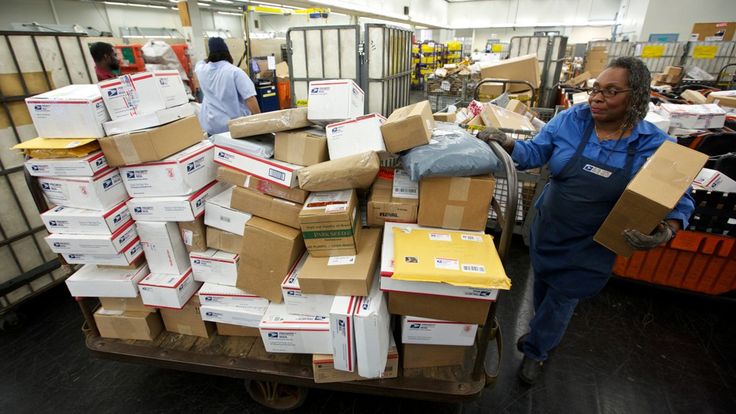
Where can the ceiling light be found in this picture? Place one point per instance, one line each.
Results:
(203, 5)
(224, 1)
(230, 13)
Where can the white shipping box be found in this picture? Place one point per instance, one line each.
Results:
(271, 170)
(100, 192)
(334, 100)
(215, 266)
(73, 111)
(67, 167)
(72, 220)
(372, 332)
(128, 96)
(212, 294)
(342, 332)
(171, 87)
(703, 116)
(300, 303)
(146, 121)
(219, 214)
(427, 331)
(128, 255)
(713, 180)
(230, 315)
(180, 174)
(93, 243)
(163, 246)
(179, 208)
(167, 290)
(295, 334)
(355, 136)
(93, 281)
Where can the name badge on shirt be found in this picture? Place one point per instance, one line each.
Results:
(597, 171)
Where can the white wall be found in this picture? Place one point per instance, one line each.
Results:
(508, 13)
(574, 34)
(678, 16)
(280, 24)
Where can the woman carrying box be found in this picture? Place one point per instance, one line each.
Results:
(593, 151)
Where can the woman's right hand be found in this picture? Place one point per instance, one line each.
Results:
(491, 134)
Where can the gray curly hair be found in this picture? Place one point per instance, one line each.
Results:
(639, 80)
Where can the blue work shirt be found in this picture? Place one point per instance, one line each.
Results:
(557, 141)
(225, 88)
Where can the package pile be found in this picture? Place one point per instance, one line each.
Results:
(671, 75)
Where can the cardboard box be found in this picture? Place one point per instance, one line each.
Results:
(518, 68)
(223, 240)
(306, 146)
(458, 203)
(130, 254)
(713, 180)
(193, 234)
(343, 275)
(173, 208)
(296, 334)
(674, 74)
(225, 329)
(580, 79)
(393, 197)
(235, 177)
(212, 294)
(722, 98)
(171, 87)
(152, 144)
(144, 326)
(71, 220)
(73, 111)
(436, 332)
(93, 243)
(258, 146)
(187, 320)
(444, 116)
(220, 214)
(268, 122)
(325, 372)
(230, 315)
(658, 120)
(372, 332)
(330, 223)
(334, 100)
(124, 304)
(439, 307)
(167, 290)
(408, 127)
(180, 174)
(265, 206)
(100, 192)
(498, 117)
(355, 136)
(149, 121)
(596, 60)
(93, 281)
(428, 356)
(490, 90)
(215, 266)
(356, 171)
(67, 167)
(130, 95)
(517, 106)
(692, 96)
(719, 31)
(163, 247)
(650, 195)
(342, 332)
(269, 250)
(300, 303)
(277, 172)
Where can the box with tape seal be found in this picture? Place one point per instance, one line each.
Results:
(457, 203)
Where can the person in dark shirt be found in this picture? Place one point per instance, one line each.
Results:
(106, 62)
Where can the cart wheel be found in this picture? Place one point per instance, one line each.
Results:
(10, 321)
(280, 397)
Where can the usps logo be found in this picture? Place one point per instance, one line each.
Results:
(138, 210)
(199, 202)
(107, 184)
(135, 249)
(74, 256)
(208, 298)
(35, 167)
(196, 261)
(273, 334)
(163, 81)
(190, 167)
(117, 218)
(484, 293)
(319, 318)
(130, 174)
(38, 107)
(415, 326)
(112, 92)
(100, 162)
(57, 244)
(53, 223)
(210, 313)
(290, 293)
(123, 238)
(45, 186)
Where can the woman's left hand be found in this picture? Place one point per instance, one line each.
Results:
(640, 241)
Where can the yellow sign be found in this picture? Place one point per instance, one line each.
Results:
(705, 52)
(652, 51)
(497, 48)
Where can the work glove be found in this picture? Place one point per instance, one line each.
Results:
(640, 241)
(494, 135)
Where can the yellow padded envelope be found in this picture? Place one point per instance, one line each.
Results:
(452, 257)
(58, 147)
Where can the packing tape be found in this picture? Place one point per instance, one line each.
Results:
(453, 217)
(459, 189)
(126, 148)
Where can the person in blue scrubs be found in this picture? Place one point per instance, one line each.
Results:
(228, 91)
(592, 151)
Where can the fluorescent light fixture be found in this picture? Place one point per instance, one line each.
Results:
(148, 6)
(224, 1)
(230, 13)
(203, 5)
(174, 1)
(263, 3)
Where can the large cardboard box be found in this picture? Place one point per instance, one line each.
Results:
(330, 223)
(650, 195)
(269, 250)
(168, 291)
(93, 243)
(436, 332)
(226, 329)
(334, 100)
(268, 122)
(458, 203)
(372, 332)
(130, 95)
(266, 206)
(124, 304)
(342, 332)
(171, 87)
(148, 121)
(86, 166)
(70, 220)
(220, 213)
(408, 127)
(325, 372)
(212, 294)
(596, 60)
(235, 177)
(152, 144)
(144, 326)
(444, 116)
(215, 266)
(224, 240)
(173, 208)
(350, 275)
(306, 146)
(498, 117)
(723, 98)
(180, 174)
(193, 234)
(355, 171)
(428, 356)
(393, 197)
(295, 334)
(187, 320)
(524, 68)
(277, 172)
(101, 192)
(490, 90)
(693, 96)
(439, 307)
(355, 136)
(73, 111)
(93, 281)
(163, 247)
(300, 303)
(130, 254)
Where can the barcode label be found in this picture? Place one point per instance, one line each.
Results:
(225, 219)
(336, 208)
(340, 260)
(473, 268)
(403, 187)
(440, 237)
(471, 237)
(446, 264)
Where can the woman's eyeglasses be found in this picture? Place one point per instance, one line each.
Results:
(607, 93)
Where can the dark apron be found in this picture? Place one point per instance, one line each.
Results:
(574, 205)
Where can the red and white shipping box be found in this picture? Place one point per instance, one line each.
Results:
(355, 136)
(130, 254)
(128, 96)
(171, 87)
(164, 247)
(372, 332)
(86, 166)
(93, 281)
(212, 294)
(219, 214)
(268, 169)
(300, 303)
(425, 331)
(100, 192)
(215, 266)
(174, 208)
(334, 100)
(73, 111)
(168, 291)
(297, 334)
(342, 332)
(93, 243)
(72, 220)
